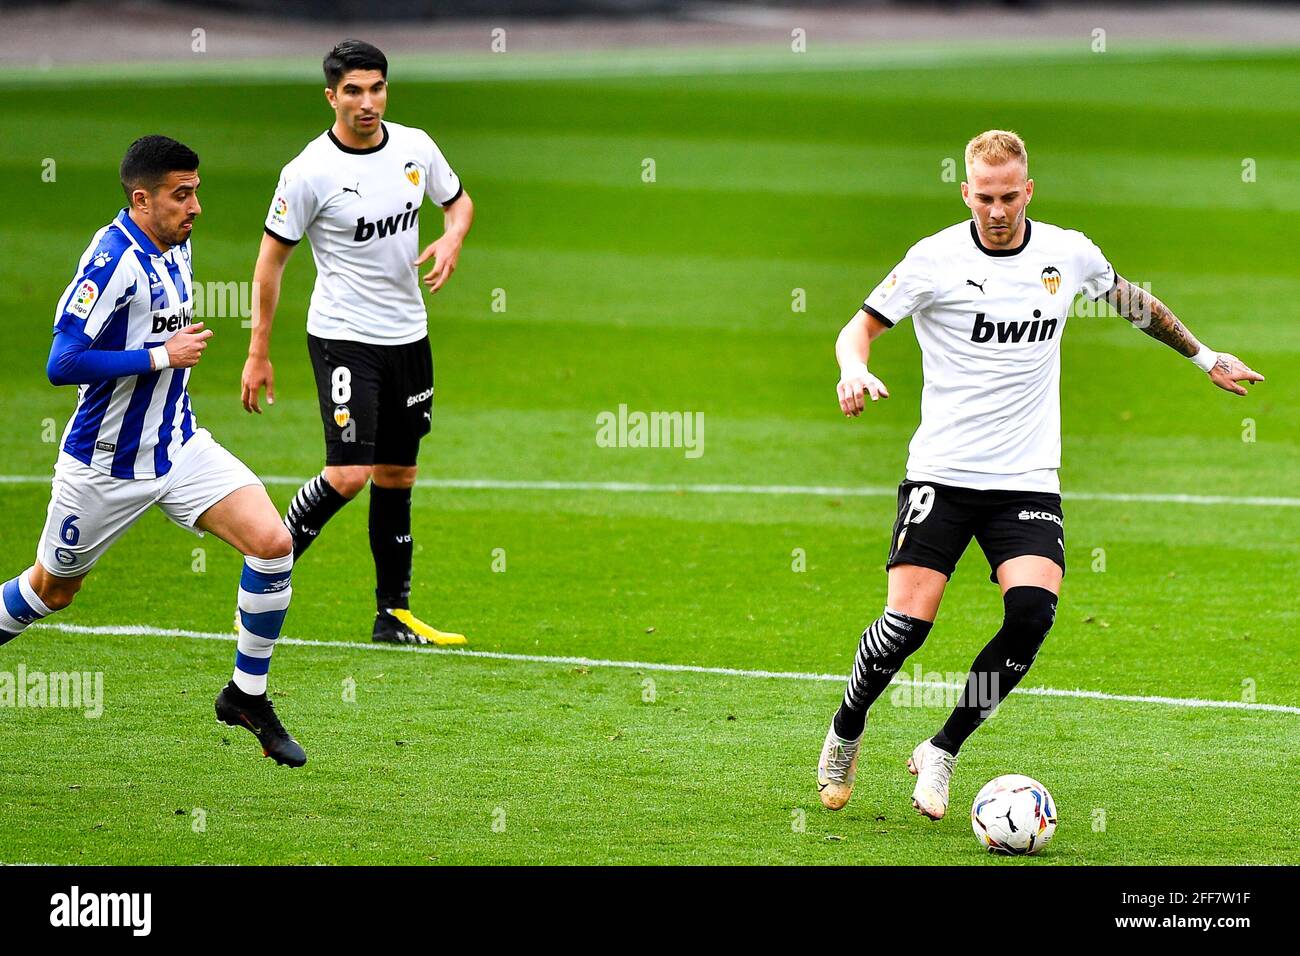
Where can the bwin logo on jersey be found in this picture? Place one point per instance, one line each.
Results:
(171, 323)
(388, 226)
(1030, 330)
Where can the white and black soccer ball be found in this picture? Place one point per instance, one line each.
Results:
(1013, 815)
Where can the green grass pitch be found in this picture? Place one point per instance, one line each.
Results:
(677, 295)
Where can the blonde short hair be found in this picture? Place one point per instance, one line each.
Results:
(995, 147)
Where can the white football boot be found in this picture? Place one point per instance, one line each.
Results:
(837, 769)
(932, 768)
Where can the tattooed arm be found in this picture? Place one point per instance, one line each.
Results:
(1154, 318)
(1151, 316)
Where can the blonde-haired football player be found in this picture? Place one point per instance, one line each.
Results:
(989, 298)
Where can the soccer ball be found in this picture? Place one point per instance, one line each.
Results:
(1014, 815)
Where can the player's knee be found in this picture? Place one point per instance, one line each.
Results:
(1030, 613)
(395, 476)
(57, 600)
(894, 636)
(57, 593)
(275, 541)
(349, 480)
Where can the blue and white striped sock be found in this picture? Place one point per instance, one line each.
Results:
(264, 594)
(20, 607)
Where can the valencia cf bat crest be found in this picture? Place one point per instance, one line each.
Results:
(1051, 279)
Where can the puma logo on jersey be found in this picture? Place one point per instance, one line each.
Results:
(352, 189)
(978, 285)
(388, 226)
(1036, 329)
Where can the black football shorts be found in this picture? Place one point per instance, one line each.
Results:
(936, 523)
(376, 401)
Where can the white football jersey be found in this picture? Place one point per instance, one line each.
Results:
(989, 323)
(360, 209)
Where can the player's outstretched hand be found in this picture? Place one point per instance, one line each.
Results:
(257, 375)
(444, 251)
(185, 348)
(1229, 370)
(854, 384)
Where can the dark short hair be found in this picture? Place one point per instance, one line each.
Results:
(150, 158)
(352, 55)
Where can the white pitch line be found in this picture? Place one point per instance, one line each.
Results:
(818, 491)
(147, 631)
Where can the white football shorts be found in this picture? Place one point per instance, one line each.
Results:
(90, 510)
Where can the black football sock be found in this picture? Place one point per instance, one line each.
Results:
(390, 543)
(314, 504)
(1029, 615)
(888, 642)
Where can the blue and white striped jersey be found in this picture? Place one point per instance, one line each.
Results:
(129, 295)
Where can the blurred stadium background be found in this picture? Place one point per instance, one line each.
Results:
(50, 34)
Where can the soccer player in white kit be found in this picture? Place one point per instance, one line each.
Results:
(989, 299)
(122, 334)
(355, 191)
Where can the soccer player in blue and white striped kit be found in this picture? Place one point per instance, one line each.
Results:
(123, 335)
